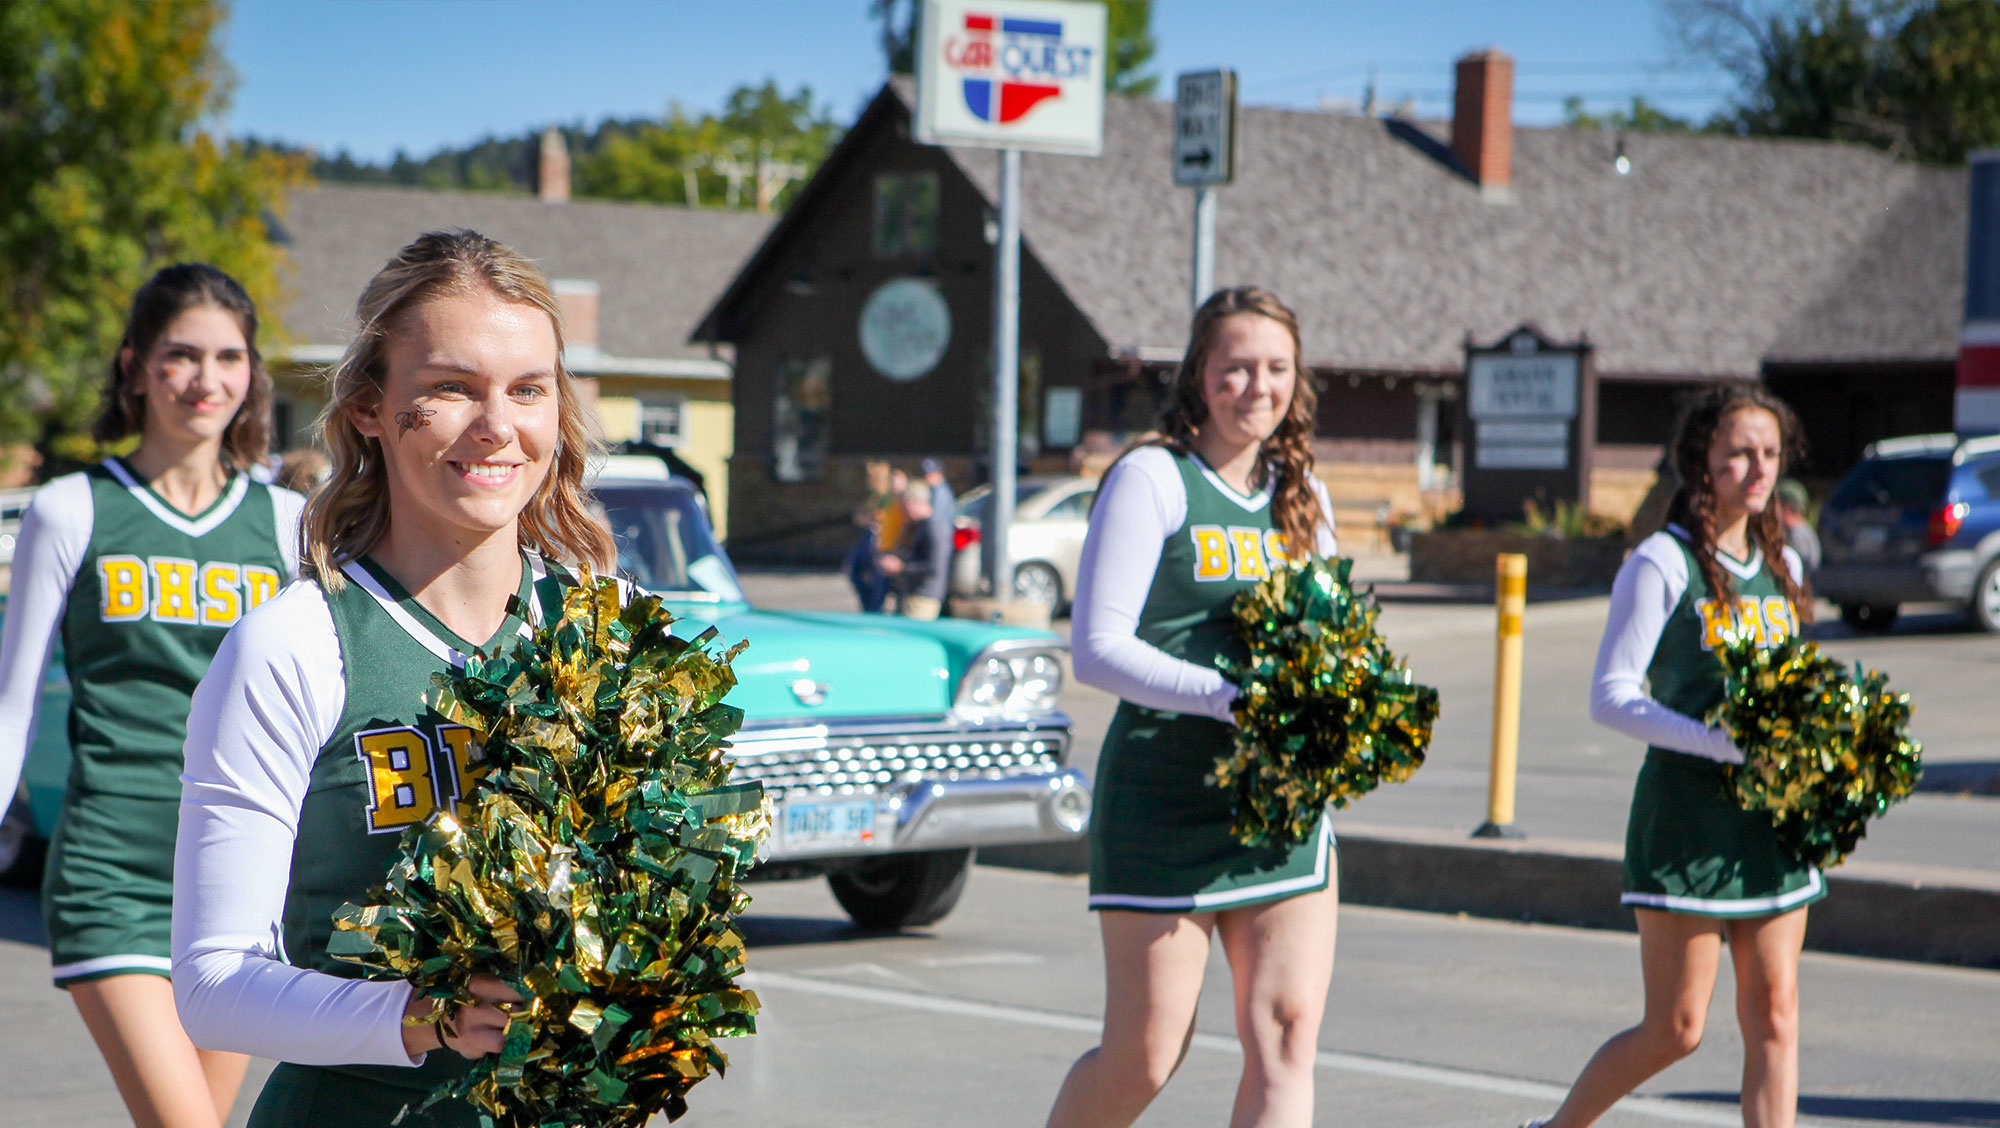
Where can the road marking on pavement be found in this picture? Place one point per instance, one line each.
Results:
(983, 959)
(1677, 1111)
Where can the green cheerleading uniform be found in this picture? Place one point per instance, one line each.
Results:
(150, 593)
(1689, 848)
(389, 763)
(1160, 833)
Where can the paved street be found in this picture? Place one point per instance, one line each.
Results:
(1435, 1021)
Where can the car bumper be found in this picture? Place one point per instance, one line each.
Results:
(844, 790)
(1931, 577)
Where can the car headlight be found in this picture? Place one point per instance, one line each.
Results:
(1021, 680)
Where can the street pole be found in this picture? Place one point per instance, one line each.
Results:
(1204, 243)
(1510, 598)
(1006, 368)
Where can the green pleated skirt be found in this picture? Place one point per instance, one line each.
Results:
(1690, 849)
(1159, 832)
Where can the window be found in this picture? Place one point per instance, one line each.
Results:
(906, 214)
(1893, 481)
(662, 420)
(1075, 507)
(801, 418)
(1989, 479)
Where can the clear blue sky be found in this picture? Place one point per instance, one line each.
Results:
(371, 76)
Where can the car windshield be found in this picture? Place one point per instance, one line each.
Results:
(664, 542)
(979, 506)
(1893, 481)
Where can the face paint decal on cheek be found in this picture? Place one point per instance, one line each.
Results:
(413, 419)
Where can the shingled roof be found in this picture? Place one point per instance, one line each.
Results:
(1711, 256)
(657, 267)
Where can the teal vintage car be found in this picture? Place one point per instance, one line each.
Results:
(890, 748)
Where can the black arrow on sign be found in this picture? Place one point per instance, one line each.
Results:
(1199, 159)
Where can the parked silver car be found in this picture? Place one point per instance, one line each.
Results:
(1051, 515)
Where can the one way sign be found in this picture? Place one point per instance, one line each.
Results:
(1205, 128)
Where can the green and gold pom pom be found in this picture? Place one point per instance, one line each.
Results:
(1824, 749)
(1326, 713)
(594, 869)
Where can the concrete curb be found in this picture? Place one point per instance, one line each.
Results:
(1920, 913)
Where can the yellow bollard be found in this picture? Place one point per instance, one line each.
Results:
(1510, 598)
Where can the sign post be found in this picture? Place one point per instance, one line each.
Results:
(1204, 157)
(1011, 75)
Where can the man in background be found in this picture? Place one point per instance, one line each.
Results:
(1792, 503)
(921, 566)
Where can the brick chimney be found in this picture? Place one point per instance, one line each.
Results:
(552, 171)
(1482, 120)
(577, 297)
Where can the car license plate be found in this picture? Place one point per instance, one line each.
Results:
(1870, 538)
(842, 824)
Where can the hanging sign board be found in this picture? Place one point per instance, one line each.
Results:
(1205, 128)
(1012, 74)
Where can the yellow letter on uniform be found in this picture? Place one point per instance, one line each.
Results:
(173, 590)
(1750, 616)
(1249, 546)
(1275, 548)
(1211, 553)
(400, 790)
(221, 602)
(259, 584)
(1714, 622)
(1780, 621)
(468, 763)
(123, 579)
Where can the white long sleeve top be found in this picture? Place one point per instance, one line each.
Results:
(272, 698)
(1140, 504)
(1648, 588)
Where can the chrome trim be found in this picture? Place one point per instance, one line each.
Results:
(940, 815)
(1056, 647)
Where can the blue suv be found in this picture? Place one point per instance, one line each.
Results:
(1917, 520)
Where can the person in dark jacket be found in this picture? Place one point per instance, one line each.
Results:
(920, 567)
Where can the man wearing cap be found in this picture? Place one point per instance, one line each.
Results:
(1792, 501)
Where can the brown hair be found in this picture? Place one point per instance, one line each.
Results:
(1288, 451)
(1693, 505)
(349, 513)
(166, 295)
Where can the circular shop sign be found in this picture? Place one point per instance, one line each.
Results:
(905, 326)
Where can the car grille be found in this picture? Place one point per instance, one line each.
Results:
(864, 767)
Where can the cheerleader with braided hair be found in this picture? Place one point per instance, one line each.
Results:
(1698, 868)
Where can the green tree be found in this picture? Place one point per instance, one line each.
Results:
(1128, 32)
(1640, 117)
(107, 174)
(756, 153)
(1920, 78)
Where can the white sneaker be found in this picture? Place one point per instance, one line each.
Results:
(1536, 1123)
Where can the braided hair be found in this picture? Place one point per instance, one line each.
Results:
(1693, 506)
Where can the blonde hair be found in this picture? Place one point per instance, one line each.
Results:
(349, 513)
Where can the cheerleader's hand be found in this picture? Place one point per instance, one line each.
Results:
(471, 1031)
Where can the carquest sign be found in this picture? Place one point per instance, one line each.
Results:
(1012, 74)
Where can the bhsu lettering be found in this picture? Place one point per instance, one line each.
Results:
(412, 774)
(1235, 552)
(1768, 621)
(178, 591)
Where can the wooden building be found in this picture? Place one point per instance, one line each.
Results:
(1830, 270)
